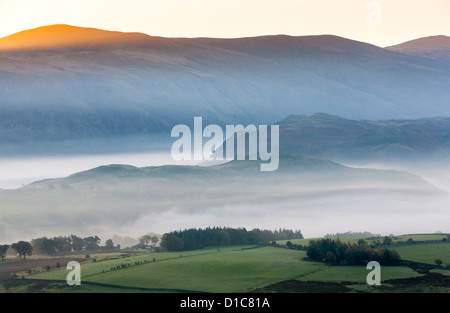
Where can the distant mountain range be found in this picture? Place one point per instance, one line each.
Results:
(62, 83)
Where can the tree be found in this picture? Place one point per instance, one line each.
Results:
(171, 242)
(223, 238)
(390, 256)
(44, 245)
(362, 242)
(438, 262)
(23, 248)
(109, 244)
(62, 244)
(330, 257)
(387, 240)
(91, 243)
(77, 243)
(3, 249)
(150, 237)
(155, 239)
(145, 239)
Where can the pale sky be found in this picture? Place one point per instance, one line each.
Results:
(382, 22)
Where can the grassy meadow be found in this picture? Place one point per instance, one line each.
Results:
(239, 269)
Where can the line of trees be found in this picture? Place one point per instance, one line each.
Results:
(364, 234)
(60, 244)
(335, 251)
(70, 243)
(192, 239)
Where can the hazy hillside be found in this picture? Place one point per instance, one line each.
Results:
(125, 198)
(65, 83)
(334, 137)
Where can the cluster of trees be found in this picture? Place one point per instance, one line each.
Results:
(22, 248)
(387, 241)
(54, 245)
(280, 234)
(291, 245)
(335, 251)
(149, 238)
(192, 239)
(70, 243)
(364, 234)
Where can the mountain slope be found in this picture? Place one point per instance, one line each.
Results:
(60, 83)
(334, 137)
(69, 37)
(435, 47)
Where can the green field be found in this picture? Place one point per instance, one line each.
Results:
(236, 269)
(420, 237)
(425, 253)
(227, 270)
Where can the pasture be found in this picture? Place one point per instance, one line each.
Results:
(234, 269)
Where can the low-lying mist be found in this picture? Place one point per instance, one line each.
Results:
(434, 171)
(310, 194)
(383, 213)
